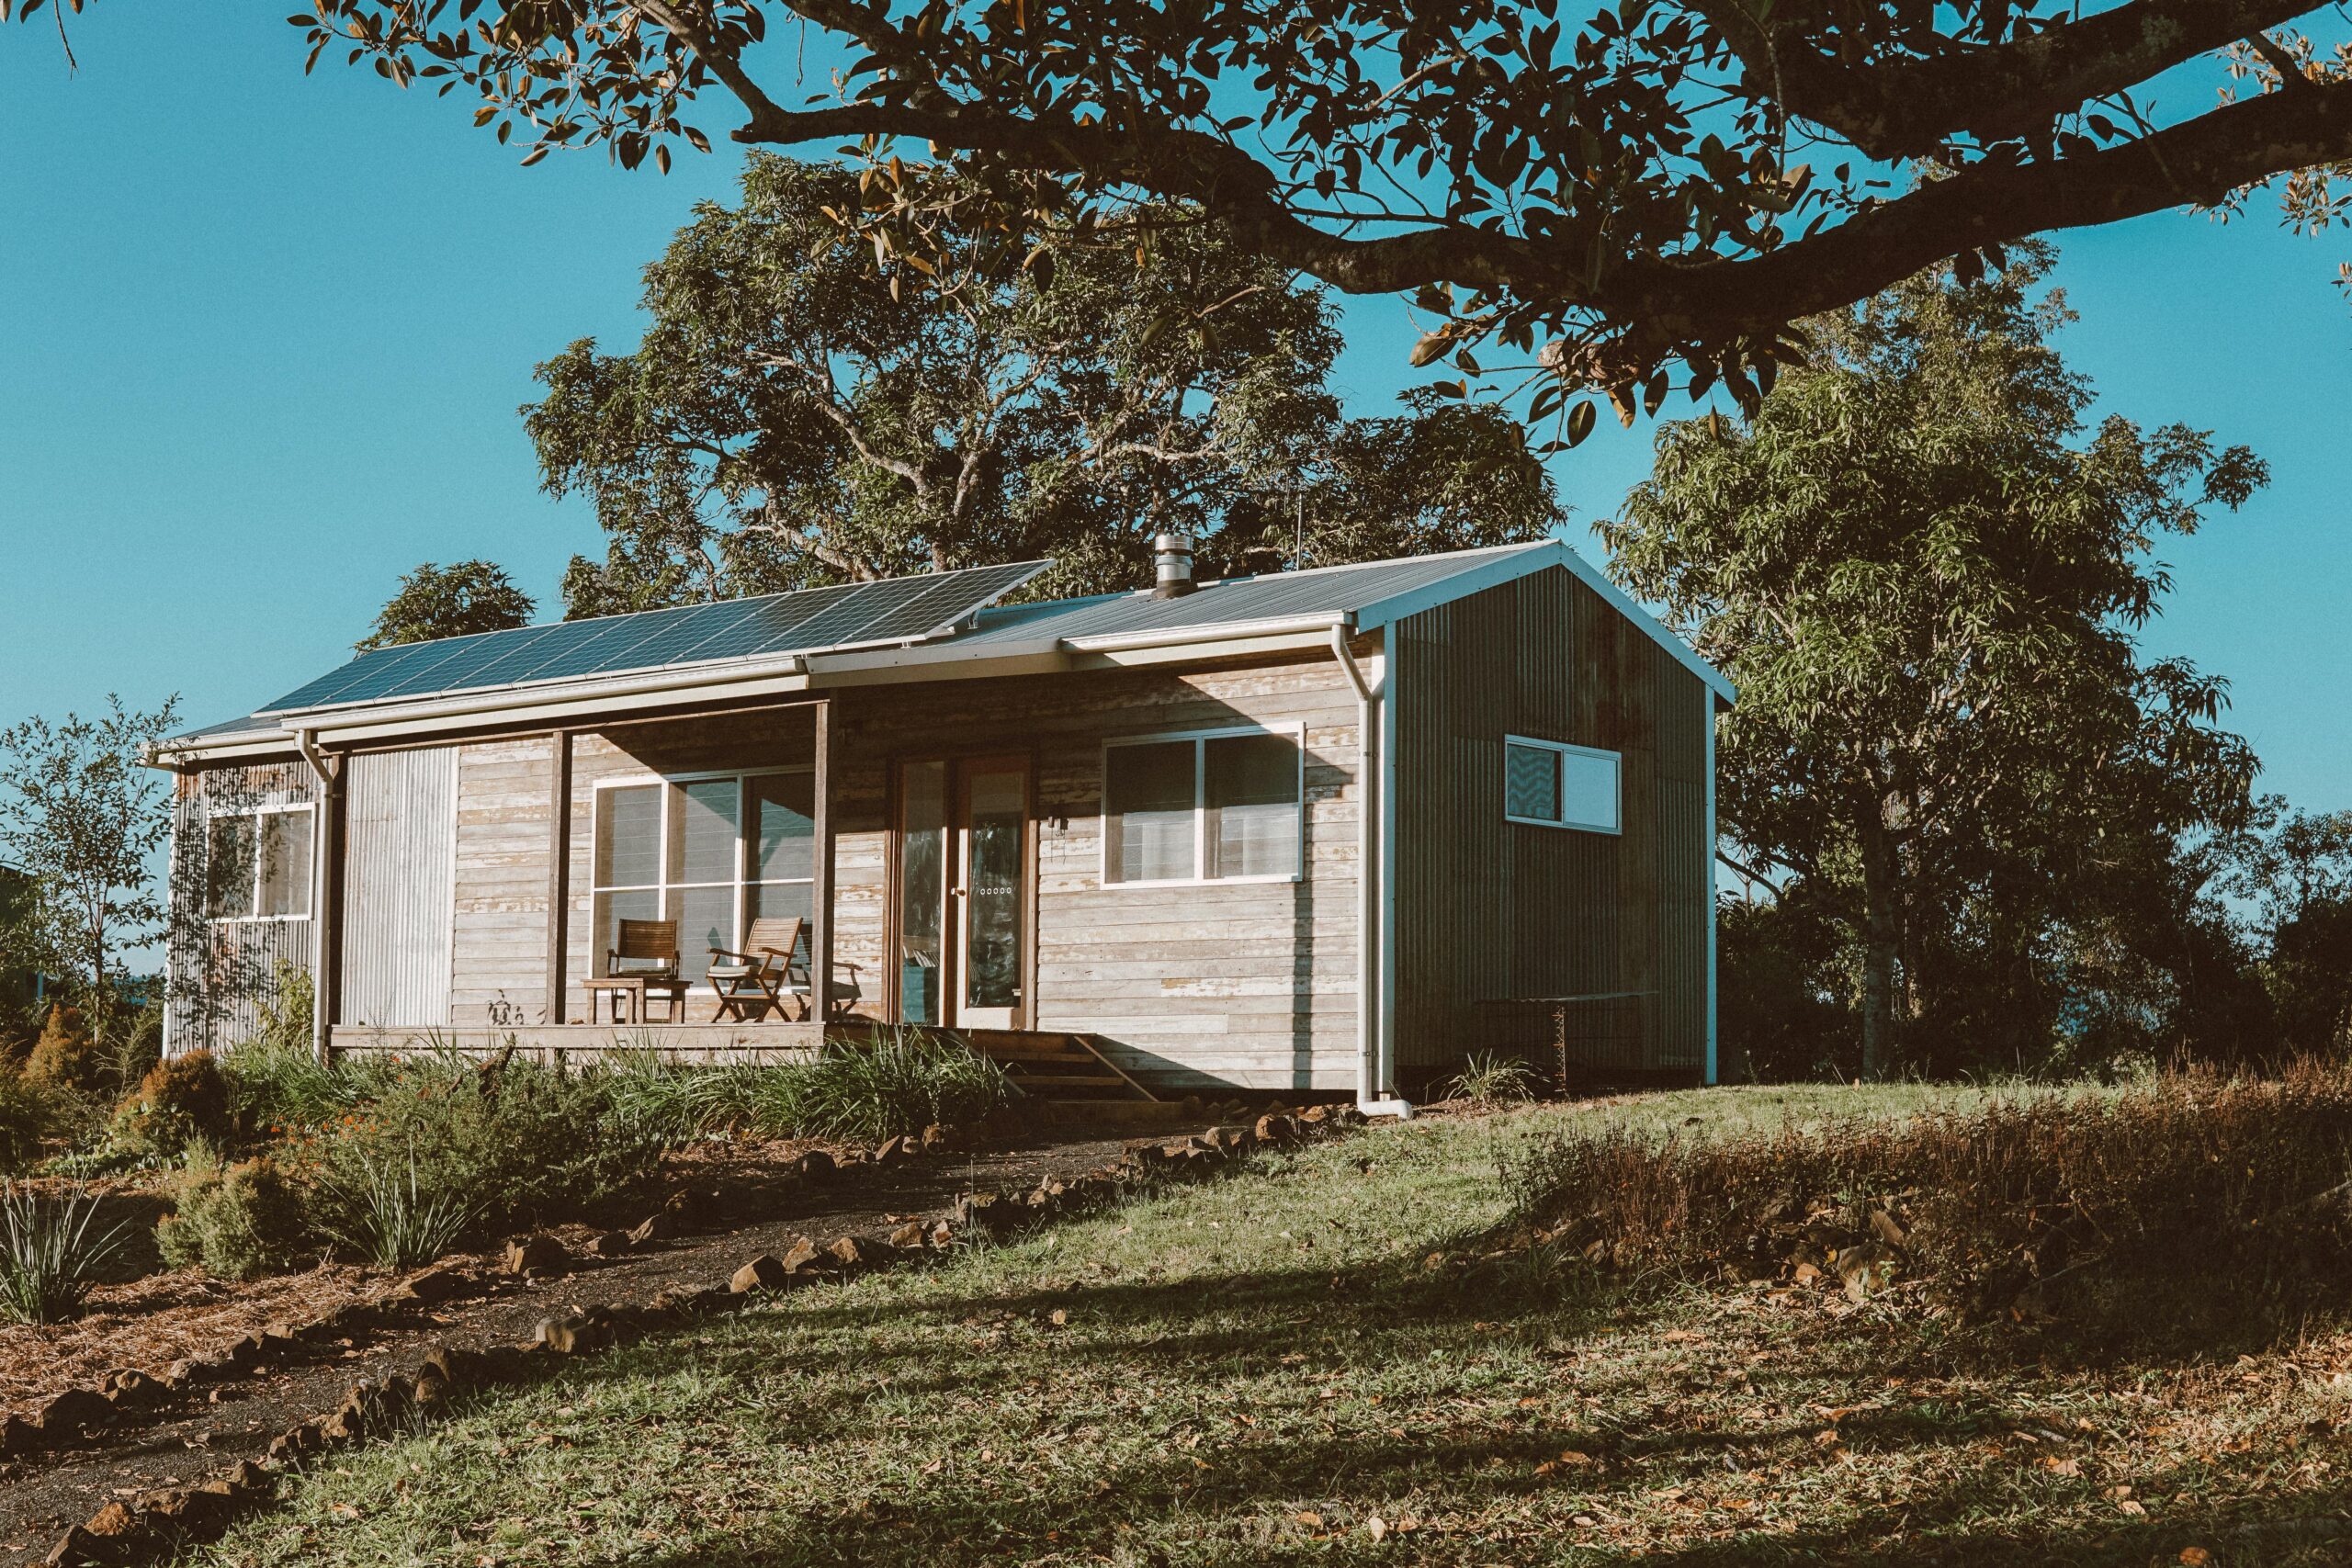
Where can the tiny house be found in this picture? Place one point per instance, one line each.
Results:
(1318, 830)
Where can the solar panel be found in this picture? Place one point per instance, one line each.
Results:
(899, 609)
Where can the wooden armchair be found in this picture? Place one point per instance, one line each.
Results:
(751, 983)
(641, 963)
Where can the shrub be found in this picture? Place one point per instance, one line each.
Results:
(380, 1211)
(67, 1055)
(898, 1086)
(1490, 1077)
(273, 1085)
(2188, 1203)
(675, 1101)
(507, 1144)
(50, 1254)
(28, 1114)
(237, 1220)
(181, 1098)
(285, 1008)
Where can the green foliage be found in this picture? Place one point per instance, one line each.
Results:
(791, 417)
(899, 1085)
(82, 814)
(1783, 979)
(179, 1101)
(2293, 869)
(51, 1253)
(379, 1208)
(507, 1145)
(67, 1056)
(1490, 1076)
(285, 1008)
(28, 1112)
(278, 1087)
(450, 601)
(1926, 576)
(235, 1221)
(675, 1101)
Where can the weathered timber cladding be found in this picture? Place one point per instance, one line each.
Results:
(1245, 983)
(1489, 910)
(400, 838)
(221, 972)
(498, 918)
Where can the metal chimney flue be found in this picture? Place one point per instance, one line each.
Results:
(1175, 554)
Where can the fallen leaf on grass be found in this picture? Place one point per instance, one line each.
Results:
(2196, 1556)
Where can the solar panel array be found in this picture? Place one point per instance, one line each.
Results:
(897, 609)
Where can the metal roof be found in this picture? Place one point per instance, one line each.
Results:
(943, 617)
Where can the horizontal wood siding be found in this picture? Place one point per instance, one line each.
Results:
(399, 848)
(1489, 910)
(1242, 983)
(221, 972)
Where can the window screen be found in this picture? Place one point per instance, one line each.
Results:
(1211, 807)
(1555, 785)
(1149, 807)
(1251, 784)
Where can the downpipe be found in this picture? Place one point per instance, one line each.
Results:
(307, 742)
(1374, 1095)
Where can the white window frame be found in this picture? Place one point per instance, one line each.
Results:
(252, 903)
(1616, 760)
(661, 889)
(1294, 733)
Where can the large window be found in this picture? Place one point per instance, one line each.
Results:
(1551, 784)
(712, 854)
(258, 865)
(1220, 807)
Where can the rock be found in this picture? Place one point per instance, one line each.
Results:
(78, 1547)
(685, 1301)
(282, 1332)
(533, 1255)
(297, 1441)
(17, 1435)
(75, 1410)
(248, 1477)
(131, 1387)
(800, 1255)
(691, 1206)
(765, 1272)
(654, 1227)
(113, 1521)
(908, 1236)
(431, 1390)
(890, 1151)
(941, 1232)
(459, 1366)
(574, 1333)
(608, 1244)
(439, 1283)
(1315, 1115)
(988, 1211)
(858, 1251)
(935, 1137)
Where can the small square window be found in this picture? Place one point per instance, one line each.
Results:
(1550, 783)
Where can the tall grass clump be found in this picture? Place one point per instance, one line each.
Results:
(2188, 1201)
(677, 1101)
(379, 1209)
(1495, 1078)
(51, 1253)
(902, 1083)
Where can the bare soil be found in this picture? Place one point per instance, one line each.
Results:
(152, 1322)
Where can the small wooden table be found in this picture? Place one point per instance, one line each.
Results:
(637, 988)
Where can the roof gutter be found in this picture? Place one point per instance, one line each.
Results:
(1222, 631)
(1376, 1076)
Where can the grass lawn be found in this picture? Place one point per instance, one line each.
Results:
(1271, 1368)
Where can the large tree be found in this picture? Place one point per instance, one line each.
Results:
(1642, 180)
(1925, 575)
(83, 817)
(459, 599)
(792, 416)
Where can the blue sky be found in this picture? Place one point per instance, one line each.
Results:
(263, 336)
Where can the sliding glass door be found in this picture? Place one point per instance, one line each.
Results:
(964, 858)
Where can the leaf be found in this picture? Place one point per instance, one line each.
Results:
(1431, 349)
(1580, 422)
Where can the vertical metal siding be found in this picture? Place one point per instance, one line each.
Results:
(398, 888)
(1489, 910)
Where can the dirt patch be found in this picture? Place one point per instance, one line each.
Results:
(197, 1432)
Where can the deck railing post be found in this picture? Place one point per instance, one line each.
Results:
(820, 892)
(558, 869)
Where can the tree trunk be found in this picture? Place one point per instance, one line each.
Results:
(1882, 944)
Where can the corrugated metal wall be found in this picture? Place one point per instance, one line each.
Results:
(399, 890)
(220, 972)
(1489, 911)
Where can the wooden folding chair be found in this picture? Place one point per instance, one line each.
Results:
(749, 983)
(641, 963)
